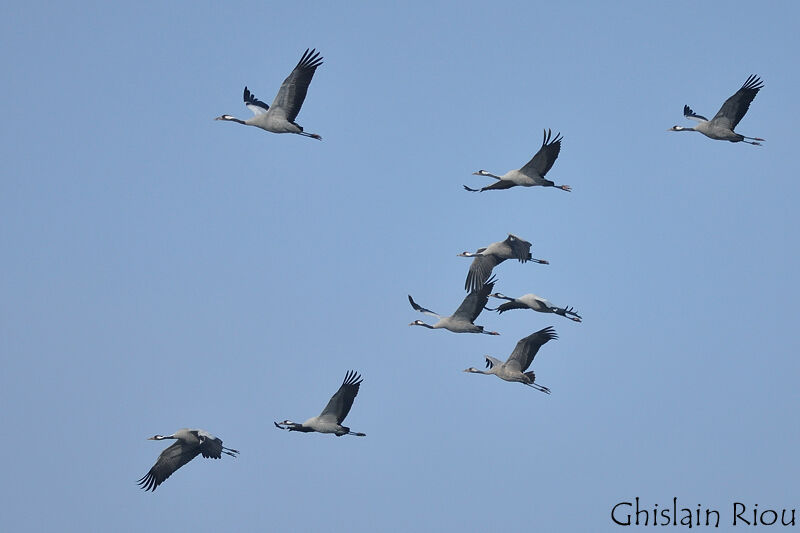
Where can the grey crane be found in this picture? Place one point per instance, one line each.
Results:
(514, 369)
(189, 443)
(280, 117)
(722, 125)
(485, 259)
(331, 418)
(462, 320)
(532, 173)
(537, 303)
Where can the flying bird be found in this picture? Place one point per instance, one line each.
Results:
(487, 258)
(537, 303)
(532, 173)
(732, 111)
(188, 444)
(331, 418)
(514, 369)
(462, 320)
(280, 117)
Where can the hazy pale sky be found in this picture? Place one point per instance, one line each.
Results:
(162, 270)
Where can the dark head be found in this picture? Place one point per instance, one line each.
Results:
(480, 173)
(421, 323)
(678, 128)
(159, 437)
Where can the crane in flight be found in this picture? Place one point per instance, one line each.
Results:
(280, 117)
(732, 111)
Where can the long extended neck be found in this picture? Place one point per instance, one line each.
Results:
(229, 118)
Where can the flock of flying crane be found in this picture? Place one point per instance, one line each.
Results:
(280, 118)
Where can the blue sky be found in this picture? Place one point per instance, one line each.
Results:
(162, 270)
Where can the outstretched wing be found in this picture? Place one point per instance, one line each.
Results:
(491, 361)
(526, 349)
(293, 90)
(210, 446)
(498, 185)
(171, 459)
(341, 402)
(737, 105)
(479, 271)
(508, 306)
(421, 309)
(688, 113)
(254, 104)
(475, 301)
(543, 161)
(520, 248)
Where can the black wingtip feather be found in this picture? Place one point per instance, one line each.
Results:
(549, 140)
(250, 98)
(488, 286)
(549, 332)
(352, 378)
(753, 83)
(310, 60)
(148, 482)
